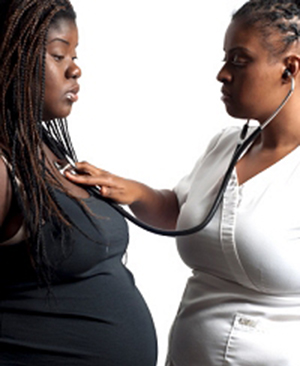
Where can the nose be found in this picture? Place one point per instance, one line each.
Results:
(73, 71)
(224, 76)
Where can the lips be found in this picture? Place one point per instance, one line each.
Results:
(226, 96)
(72, 94)
(225, 93)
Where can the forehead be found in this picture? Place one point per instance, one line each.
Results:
(63, 28)
(238, 35)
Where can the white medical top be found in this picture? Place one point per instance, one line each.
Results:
(242, 304)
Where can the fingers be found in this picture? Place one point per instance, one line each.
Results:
(85, 179)
(88, 174)
(111, 186)
(87, 168)
(108, 192)
(91, 180)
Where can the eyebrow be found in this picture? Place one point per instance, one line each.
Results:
(59, 40)
(239, 48)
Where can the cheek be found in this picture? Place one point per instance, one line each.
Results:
(53, 76)
(258, 98)
(246, 98)
(52, 87)
(50, 79)
(49, 98)
(253, 92)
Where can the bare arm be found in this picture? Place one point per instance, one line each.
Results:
(155, 207)
(158, 208)
(5, 196)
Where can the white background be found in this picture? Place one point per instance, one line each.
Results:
(148, 105)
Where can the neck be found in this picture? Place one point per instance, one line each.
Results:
(283, 131)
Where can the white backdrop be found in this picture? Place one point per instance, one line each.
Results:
(148, 105)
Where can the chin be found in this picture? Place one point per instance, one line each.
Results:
(60, 115)
(233, 112)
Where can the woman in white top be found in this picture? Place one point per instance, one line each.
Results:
(242, 304)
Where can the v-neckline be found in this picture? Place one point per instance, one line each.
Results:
(266, 170)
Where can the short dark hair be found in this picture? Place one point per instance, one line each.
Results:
(270, 17)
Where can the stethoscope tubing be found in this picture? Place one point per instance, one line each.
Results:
(242, 145)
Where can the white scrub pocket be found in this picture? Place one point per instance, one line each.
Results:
(255, 341)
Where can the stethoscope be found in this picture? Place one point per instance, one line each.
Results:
(242, 145)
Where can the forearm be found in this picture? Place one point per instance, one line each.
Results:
(158, 208)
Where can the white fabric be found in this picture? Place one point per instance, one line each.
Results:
(241, 306)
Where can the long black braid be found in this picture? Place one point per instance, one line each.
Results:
(281, 16)
(24, 26)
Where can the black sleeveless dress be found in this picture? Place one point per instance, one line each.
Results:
(93, 314)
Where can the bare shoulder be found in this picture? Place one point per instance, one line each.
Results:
(5, 191)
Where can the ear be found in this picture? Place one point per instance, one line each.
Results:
(292, 64)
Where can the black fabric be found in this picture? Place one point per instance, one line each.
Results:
(93, 314)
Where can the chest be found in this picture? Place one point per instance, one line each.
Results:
(254, 238)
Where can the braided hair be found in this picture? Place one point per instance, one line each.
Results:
(269, 16)
(24, 26)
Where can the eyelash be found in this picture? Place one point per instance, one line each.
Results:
(60, 58)
(234, 61)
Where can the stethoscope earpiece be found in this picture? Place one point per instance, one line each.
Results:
(287, 74)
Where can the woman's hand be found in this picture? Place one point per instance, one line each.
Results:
(119, 189)
(156, 207)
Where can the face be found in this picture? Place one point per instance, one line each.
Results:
(61, 71)
(252, 81)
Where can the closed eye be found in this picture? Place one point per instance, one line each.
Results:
(58, 57)
(237, 60)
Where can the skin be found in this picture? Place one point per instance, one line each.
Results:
(61, 88)
(155, 207)
(248, 75)
(62, 73)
